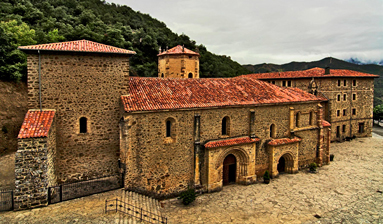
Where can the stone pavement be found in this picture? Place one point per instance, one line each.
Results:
(343, 192)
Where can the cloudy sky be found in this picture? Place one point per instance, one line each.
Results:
(275, 31)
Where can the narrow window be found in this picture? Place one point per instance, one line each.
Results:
(162, 75)
(338, 97)
(337, 131)
(354, 82)
(338, 82)
(273, 82)
(83, 125)
(344, 128)
(344, 112)
(283, 83)
(361, 127)
(354, 96)
(338, 113)
(353, 111)
(344, 97)
(289, 83)
(190, 75)
(344, 82)
(225, 125)
(311, 118)
(272, 131)
(168, 128)
(297, 119)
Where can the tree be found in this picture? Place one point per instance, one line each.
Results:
(378, 112)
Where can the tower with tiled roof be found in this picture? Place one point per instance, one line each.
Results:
(178, 62)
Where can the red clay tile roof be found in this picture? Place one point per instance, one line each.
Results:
(326, 123)
(36, 124)
(151, 94)
(77, 46)
(228, 142)
(283, 141)
(309, 73)
(178, 50)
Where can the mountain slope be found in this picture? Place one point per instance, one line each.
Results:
(327, 62)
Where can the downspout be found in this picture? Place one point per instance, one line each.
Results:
(351, 99)
(41, 108)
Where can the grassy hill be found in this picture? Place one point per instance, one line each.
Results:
(332, 63)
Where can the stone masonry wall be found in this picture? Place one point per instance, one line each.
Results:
(163, 166)
(82, 85)
(31, 173)
(178, 66)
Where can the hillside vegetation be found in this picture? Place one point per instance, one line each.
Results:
(25, 22)
(327, 62)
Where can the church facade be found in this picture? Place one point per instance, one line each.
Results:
(88, 119)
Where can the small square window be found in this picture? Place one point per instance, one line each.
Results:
(338, 97)
(353, 111)
(354, 96)
(354, 82)
(344, 97)
(344, 112)
(344, 82)
(283, 83)
(289, 83)
(273, 82)
(344, 128)
(337, 113)
(338, 82)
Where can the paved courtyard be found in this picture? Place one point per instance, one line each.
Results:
(344, 192)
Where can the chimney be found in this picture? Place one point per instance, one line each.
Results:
(183, 48)
(167, 48)
(327, 71)
(159, 50)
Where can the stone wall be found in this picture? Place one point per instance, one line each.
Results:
(163, 166)
(82, 85)
(178, 66)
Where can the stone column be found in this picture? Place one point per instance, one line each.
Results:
(291, 120)
(319, 158)
(197, 150)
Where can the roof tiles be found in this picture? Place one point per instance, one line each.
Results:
(178, 50)
(78, 46)
(152, 94)
(228, 142)
(36, 124)
(325, 123)
(309, 73)
(283, 141)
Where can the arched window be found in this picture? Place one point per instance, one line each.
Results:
(272, 131)
(83, 125)
(170, 128)
(190, 75)
(162, 75)
(226, 126)
(297, 119)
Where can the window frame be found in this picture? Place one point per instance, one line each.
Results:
(83, 125)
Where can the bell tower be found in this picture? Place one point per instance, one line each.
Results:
(178, 62)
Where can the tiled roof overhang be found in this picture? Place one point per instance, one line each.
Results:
(230, 142)
(283, 141)
(36, 124)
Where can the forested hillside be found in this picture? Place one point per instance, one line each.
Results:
(332, 63)
(25, 22)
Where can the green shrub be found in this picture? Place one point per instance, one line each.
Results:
(266, 176)
(188, 196)
(4, 129)
(313, 166)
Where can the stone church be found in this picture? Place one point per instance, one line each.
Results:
(88, 119)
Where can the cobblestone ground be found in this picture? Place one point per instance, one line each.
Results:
(343, 192)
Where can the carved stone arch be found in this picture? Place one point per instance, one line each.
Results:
(240, 154)
(289, 160)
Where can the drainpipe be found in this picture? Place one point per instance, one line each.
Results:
(351, 109)
(41, 108)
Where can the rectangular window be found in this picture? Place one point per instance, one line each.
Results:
(338, 113)
(273, 82)
(354, 82)
(361, 127)
(344, 97)
(283, 83)
(338, 82)
(344, 82)
(344, 128)
(338, 97)
(344, 112)
(353, 111)
(337, 131)
(354, 96)
(289, 83)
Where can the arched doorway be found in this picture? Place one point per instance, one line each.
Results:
(229, 169)
(281, 165)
